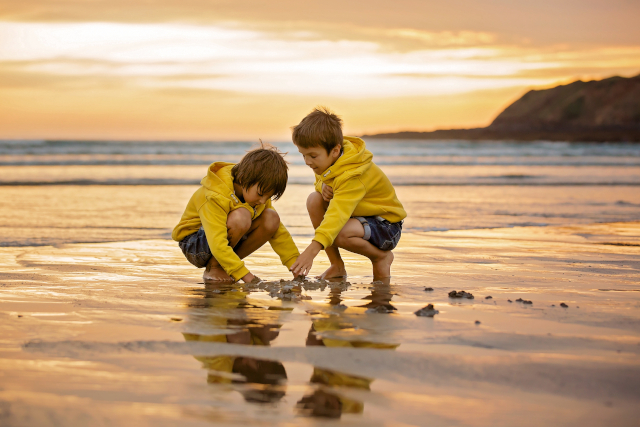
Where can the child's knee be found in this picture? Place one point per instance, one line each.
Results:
(353, 228)
(239, 221)
(271, 220)
(315, 202)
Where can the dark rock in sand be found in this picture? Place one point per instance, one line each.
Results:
(176, 319)
(460, 294)
(428, 289)
(427, 311)
(477, 322)
(563, 305)
(509, 300)
(488, 297)
(527, 302)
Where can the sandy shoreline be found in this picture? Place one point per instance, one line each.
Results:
(88, 333)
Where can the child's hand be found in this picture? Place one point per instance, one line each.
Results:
(327, 192)
(303, 264)
(250, 278)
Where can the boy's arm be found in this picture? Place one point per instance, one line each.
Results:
(283, 244)
(345, 199)
(214, 222)
(344, 202)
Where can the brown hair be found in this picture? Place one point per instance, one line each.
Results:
(321, 127)
(264, 166)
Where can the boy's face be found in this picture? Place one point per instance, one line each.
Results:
(318, 159)
(254, 197)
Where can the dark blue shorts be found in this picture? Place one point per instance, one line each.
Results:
(381, 233)
(196, 248)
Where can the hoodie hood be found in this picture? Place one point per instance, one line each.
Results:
(220, 181)
(355, 160)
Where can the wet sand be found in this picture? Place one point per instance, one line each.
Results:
(125, 333)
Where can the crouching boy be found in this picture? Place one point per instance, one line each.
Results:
(354, 206)
(230, 216)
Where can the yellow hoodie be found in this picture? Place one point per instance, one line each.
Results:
(209, 207)
(360, 188)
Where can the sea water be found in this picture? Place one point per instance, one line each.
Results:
(93, 191)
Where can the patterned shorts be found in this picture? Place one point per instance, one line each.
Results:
(196, 248)
(381, 233)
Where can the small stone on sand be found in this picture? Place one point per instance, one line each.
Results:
(509, 300)
(427, 311)
(176, 319)
(428, 289)
(488, 297)
(563, 305)
(460, 294)
(477, 322)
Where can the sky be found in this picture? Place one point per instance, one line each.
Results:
(243, 70)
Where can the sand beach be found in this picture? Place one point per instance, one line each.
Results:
(105, 323)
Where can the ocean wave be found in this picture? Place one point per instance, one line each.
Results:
(404, 150)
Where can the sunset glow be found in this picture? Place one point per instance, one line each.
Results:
(231, 78)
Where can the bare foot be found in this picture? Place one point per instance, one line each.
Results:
(334, 272)
(382, 266)
(214, 273)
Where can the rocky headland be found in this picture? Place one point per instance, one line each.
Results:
(593, 111)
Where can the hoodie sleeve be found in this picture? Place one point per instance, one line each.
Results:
(282, 243)
(346, 197)
(214, 222)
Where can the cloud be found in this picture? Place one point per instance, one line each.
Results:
(543, 21)
(249, 61)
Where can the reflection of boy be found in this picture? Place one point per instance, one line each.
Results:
(231, 216)
(268, 374)
(354, 206)
(325, 402)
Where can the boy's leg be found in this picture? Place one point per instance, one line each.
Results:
(238, 224)
(260, 232)
(351, 239)
(317, 207)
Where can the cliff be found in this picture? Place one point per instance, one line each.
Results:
(604, 110)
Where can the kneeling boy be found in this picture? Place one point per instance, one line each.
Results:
(354, 206)
(231, 216)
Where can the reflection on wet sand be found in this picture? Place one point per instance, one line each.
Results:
(326, 400)
(226, 316)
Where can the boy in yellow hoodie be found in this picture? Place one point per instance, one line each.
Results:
(354, 206)
(230, 216)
